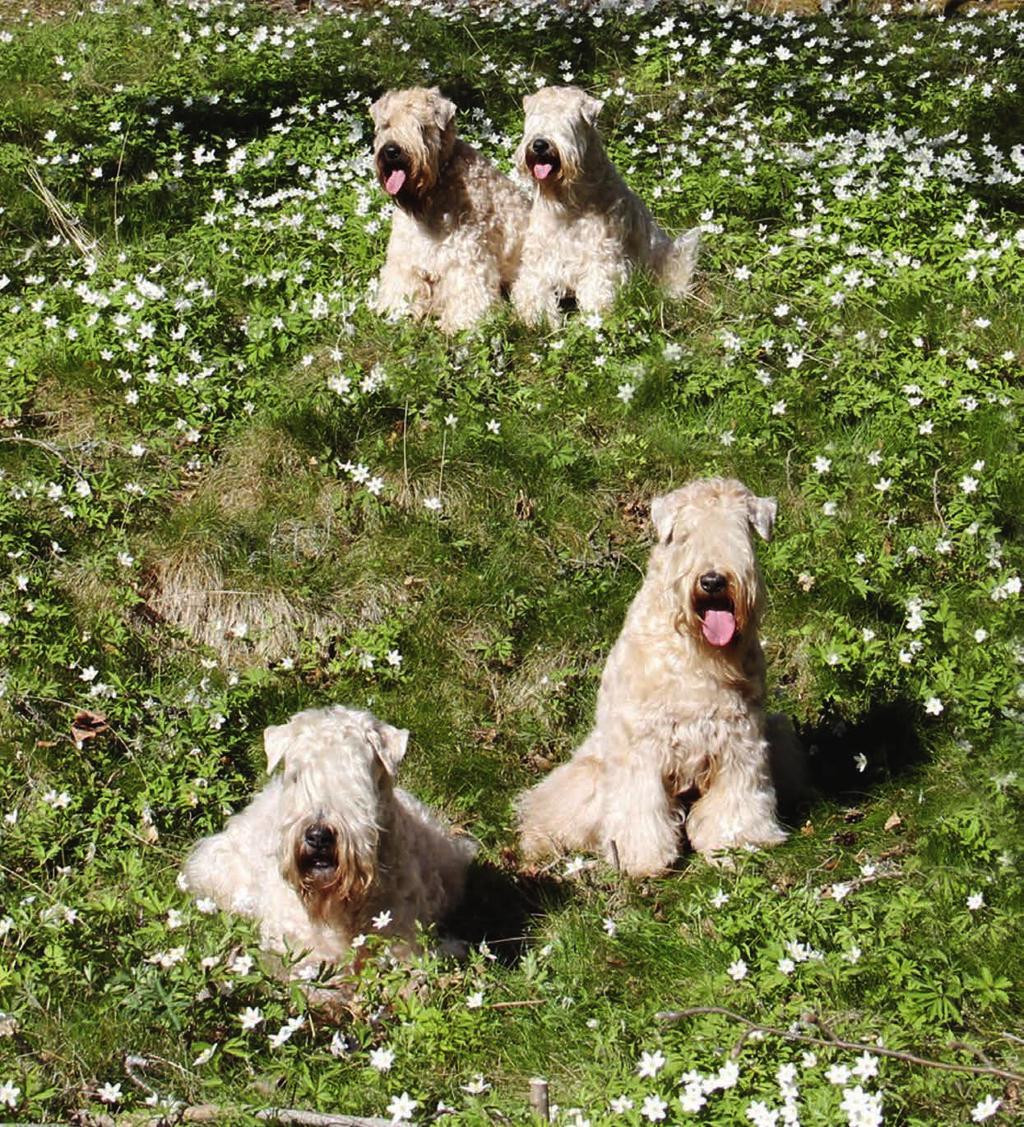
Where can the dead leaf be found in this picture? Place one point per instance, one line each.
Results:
(88, 725)
(893, 821)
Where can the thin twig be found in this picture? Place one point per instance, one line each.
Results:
(834, 1042)
(521, 1002)
(319, 1118)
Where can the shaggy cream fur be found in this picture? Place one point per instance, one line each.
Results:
(330, 843)
(587, 230)
(679, 710)
(458, 227)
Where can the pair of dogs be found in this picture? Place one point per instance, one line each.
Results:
(331, 848)
(463, 233)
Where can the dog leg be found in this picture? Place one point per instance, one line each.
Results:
(401, 290)
(597, 287)
(466, 294)
(535, 295)
(640, 830)
(563, 812)
(738, 807)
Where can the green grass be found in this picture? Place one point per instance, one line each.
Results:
(191, 418)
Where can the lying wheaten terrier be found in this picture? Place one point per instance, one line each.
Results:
(330, 843)
(587, 230)
(458, 229)
(679, 708)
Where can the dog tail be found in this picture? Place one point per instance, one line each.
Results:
(563, 812)
(679, 263)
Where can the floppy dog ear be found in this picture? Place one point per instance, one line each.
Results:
(663, 516)
(444, 109)
(761, 514)
(590, 108)
(390, 744)
(275, 744)
(377, 109)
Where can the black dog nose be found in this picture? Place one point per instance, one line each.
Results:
(319, 837)
(711, 582)
(391, 151)
(540, 146)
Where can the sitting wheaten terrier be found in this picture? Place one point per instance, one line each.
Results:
(458, 229)
(330, 843)
(587, 230)
(679, 710)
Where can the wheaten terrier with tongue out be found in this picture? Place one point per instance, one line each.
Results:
(679, 710)
(458, 226)
(587, 230)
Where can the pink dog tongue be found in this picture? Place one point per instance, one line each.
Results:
(541, 171)
(719, 626)
(394, 182)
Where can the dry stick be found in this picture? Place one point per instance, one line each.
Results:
(65, 221)
(835, 1043)
(521, 1002)
(318, 1118)
(539, 1098)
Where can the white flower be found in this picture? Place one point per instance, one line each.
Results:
(822, 464)
(720, 899)
(476, 1086)
(840, 891)
(968, 484)
(980, 1112)
(250, 1017)
(204, 1057)
(382, 920)
(883, 484)
(494, 426)
(382, 1059)
(609, 925)
(980, 634)
(838, 1074)
(475, 1001)
(653, 1108)
(692, 1098)
(401, 1108)
(860, 761)
(786, 965)
(933, 706)
(975, 901)
(866, 1067)
(621, 1104)
(109, 1093)
(651, 1063)
(432, 503)
(626, 392)
(9, 1094)
(338, 1046)
(829, 508)
(737, 970)
(863, 1109)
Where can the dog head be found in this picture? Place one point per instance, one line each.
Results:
(558, 133)
(414, 136)
(337, 785)
(706, 549)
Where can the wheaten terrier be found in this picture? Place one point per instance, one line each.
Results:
(587, 230)
(679, 708)
(331, 843)
(457, 232)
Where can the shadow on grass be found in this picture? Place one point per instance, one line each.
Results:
(499, 908)
(886, 736)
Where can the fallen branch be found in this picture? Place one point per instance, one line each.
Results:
(833, 1042)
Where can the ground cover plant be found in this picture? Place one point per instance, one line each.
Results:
(228, 491)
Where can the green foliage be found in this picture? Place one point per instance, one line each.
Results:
(228, 491)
